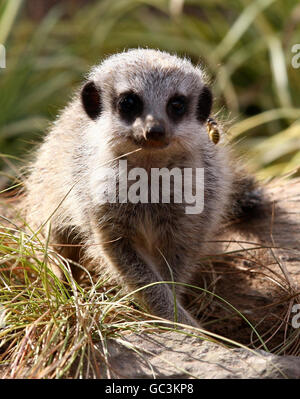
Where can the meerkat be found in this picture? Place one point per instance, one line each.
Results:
(150, 109)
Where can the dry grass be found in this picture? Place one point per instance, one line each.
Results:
(51, 329)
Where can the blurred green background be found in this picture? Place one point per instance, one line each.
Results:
(245, 46)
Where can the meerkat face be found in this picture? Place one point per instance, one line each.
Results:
(148, 99)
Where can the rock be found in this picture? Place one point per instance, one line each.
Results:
(175, 355)
(263, 269)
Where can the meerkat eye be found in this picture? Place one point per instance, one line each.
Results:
(177, 107)
(130, 106)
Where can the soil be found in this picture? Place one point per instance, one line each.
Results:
(262, 277)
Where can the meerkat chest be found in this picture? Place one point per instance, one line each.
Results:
(155, 228)
(146, 235)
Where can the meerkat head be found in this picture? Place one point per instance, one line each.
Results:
(148, 99)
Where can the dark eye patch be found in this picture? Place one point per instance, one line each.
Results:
(177, 107)
(130, 106)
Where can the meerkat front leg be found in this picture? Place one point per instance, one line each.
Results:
(137, 273)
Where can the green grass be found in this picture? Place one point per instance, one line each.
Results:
(244, 45)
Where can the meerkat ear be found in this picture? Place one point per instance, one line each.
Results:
(91, 100)
(204, 104)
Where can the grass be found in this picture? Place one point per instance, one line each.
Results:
(244, 45)
(50, 329)
(48, 325)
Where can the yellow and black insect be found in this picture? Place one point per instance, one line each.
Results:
(213, 130)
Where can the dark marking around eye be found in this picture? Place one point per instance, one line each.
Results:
(130, 106)
(177, 107)
(204, 104)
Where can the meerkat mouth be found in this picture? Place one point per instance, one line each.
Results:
(151, 144)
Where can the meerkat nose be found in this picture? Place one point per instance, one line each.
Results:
(155, 132)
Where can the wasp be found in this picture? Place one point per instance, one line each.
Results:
(213, 130)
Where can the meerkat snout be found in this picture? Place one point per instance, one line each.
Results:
(155, 131)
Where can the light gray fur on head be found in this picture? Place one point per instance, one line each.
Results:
(139, 69)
